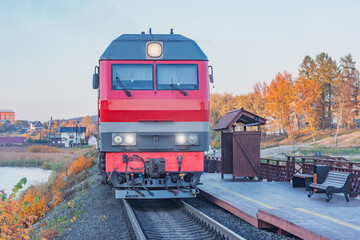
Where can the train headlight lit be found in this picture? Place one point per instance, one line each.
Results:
(180, 139)
(130, 139)
(154, 49)
(118, 139)
(123, 139)
(192, 139)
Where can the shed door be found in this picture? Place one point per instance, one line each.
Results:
(226, 153)
(246, 154)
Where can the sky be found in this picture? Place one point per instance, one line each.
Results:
(48, 49)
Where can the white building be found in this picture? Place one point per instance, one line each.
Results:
(71, 136)
(92, 141)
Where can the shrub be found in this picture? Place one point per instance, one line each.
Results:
(43, 149)
(18, 215)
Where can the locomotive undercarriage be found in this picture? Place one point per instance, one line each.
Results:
(152, 182)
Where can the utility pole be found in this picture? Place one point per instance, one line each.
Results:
(49, 128)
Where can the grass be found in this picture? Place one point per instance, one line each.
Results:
(20, 157)
(330, 150)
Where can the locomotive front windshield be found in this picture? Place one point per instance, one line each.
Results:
(132, 77)
(141, 77)
(181, 76)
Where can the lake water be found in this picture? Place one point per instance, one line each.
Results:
(10, 176)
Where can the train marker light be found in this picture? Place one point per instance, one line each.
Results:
(154, 49)
(180, 139)
(193, 138)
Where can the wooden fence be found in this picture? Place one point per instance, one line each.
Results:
(282, 170)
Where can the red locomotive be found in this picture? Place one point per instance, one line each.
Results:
(153, 115)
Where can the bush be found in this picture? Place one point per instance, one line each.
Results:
(43, 149)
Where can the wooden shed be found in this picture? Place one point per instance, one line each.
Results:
(240, 150)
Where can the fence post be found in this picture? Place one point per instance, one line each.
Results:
(293, 166)
(288, 170)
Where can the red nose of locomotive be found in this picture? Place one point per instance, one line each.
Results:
(153, 115)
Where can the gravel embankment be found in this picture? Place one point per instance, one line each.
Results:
(90, 211)
(98, 214)
(232, 222)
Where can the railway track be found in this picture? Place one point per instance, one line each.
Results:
(173, 219)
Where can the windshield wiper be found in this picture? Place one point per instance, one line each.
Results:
(175, 87)
(127, 92)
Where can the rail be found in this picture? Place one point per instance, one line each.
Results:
(178, 220)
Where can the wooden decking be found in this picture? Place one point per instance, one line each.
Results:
(277, 204)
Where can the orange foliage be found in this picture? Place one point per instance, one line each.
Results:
(18, 215)
(57, 194)
(80, 164)
(280, 102)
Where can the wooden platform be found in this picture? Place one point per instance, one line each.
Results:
(277, 204)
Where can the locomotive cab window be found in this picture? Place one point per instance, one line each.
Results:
(180, 76)
(132, 77)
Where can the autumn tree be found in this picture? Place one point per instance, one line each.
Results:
(349, 75)
(219, 105)
(71, 123)
(90, 126)
(63, 123)
(307, 96)
(280, 102)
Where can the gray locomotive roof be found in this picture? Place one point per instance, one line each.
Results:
(132, 47)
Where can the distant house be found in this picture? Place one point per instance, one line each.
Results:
(71, 136)
(55, 140)
(7, 114)
(92, 141)
(36, 126)
(12, 141)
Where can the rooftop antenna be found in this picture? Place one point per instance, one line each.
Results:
(149, 30)
(171, 31)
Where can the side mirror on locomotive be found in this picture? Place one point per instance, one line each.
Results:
(96, 78)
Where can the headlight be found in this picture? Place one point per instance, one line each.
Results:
(123, 139)
(130, 139)
(193, 138)
(154, 49)
(186, 139)
(180, 139)
(118, 139)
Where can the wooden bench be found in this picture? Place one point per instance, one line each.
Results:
(335, 182)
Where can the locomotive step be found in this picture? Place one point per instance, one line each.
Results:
(157, 194)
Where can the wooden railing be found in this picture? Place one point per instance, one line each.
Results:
(282, 170)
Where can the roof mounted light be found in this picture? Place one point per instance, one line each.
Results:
(154, 50)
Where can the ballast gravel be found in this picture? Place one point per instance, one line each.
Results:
(101, 216)
(232, 222)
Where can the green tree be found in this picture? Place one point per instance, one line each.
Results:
(326, 73)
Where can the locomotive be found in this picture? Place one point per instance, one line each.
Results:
(153, 115)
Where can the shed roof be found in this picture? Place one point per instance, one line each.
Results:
(132, 47)
(239, 116)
